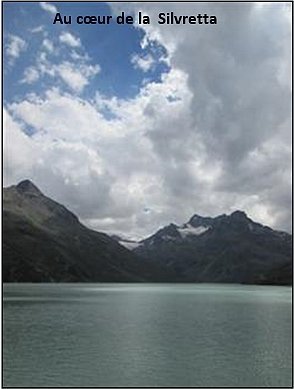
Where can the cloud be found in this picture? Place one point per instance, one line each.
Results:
(46, 64)
(57, 151)
(71, 76)
(14, 47)
(37, 29)
(20, 154)
(69, 39)
(30, 76)
(145, 63)
(76, 77)
(48, 7)
(212, 135)
(100, 168)
(48, 45)
(241, 101)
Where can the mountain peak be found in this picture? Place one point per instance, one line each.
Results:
(195, 218)
(239, 215)
(170, 229)
(197, 221)
(26, 186)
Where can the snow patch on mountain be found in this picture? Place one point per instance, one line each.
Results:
(187, 229)
(168, 237)
(129, 245)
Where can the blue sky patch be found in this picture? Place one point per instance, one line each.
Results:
(109, 47)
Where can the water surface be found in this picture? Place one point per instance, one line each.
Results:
(146, 335)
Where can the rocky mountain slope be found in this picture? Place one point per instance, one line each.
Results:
(44, 242)
(228, 248)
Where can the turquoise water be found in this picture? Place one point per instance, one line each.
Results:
(146, 335)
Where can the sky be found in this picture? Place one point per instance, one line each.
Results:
(133, 127)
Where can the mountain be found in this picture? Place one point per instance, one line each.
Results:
(227, 248)
(44, 242)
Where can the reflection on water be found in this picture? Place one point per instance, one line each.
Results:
(146, 335)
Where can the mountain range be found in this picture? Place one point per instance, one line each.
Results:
(227, 248)
(45, 242)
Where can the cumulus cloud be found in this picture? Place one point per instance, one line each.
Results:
(240, 108)
(36, 30)
(14, 47)
(103, 169)
(75, 70)
(48, 45)
(30, 75)
(145, 63)
(20, 153)
(211, 136)
(69, 164)
(48, 7)
(76, 77)
(69, 39)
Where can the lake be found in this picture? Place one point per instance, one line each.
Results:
(146, 335)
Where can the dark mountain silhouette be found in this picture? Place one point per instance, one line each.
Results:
(227, 248)
(44, 242)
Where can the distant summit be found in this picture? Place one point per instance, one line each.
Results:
(239, 214)
(226, 248)
(26, 186)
